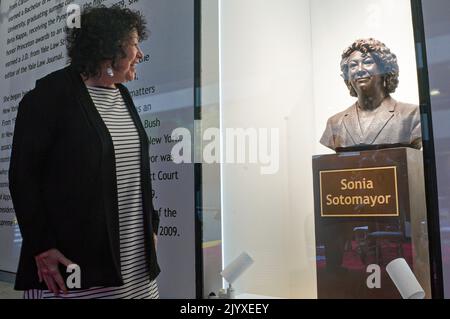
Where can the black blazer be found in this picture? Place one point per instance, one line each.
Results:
(63, 182)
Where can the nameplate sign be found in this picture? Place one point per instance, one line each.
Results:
(361, 192)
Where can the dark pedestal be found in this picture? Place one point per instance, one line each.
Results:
(369, 209)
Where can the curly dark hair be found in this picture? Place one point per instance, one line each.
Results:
(384, 58)
(101, 36)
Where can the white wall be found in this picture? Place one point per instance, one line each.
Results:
(265, 83)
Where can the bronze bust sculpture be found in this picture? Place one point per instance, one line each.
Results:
(370, 71)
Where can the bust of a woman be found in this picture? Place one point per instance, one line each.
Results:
(370, 71)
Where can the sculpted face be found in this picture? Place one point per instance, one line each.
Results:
(364, 74)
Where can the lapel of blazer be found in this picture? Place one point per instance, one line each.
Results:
(351, 125)
(384, 114)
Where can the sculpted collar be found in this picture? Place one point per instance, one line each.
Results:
(382, 116)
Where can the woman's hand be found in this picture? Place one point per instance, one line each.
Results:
(47, 265)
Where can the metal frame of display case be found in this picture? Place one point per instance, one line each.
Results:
(428, 153)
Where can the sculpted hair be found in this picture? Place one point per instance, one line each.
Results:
(384, 58)
(102, 34)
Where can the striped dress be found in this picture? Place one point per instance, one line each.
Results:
(135, 272)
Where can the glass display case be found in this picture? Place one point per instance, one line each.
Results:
(285, 93)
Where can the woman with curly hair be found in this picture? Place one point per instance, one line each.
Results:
(79, 173)
(370, 71)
